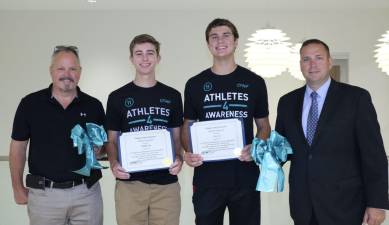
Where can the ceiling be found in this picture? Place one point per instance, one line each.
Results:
(261, 5)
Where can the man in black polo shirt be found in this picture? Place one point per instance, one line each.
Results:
(55, 194)
(226, 90)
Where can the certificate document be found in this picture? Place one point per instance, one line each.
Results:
(146, 150)
(217, 139)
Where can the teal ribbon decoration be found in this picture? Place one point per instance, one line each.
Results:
(94, 135)
(269, 155)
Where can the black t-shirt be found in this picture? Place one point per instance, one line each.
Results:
(42, 120)
(132, 108)
(240, 94)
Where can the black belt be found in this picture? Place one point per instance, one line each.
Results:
(39, 182)
(63, 185)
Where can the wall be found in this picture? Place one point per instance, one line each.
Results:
(27, 39)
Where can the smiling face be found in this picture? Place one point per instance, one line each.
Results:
(144, 58)
(65, 71)
(315, 64)
(221, 42)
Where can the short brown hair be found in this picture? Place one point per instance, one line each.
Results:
(221, 22)
(316, 41)
(144, 38)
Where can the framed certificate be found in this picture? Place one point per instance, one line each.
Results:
(146, 150)
(217, 139)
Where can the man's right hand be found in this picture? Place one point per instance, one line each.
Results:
(373, 216)
(193, 160)
(118, 171)
(21, 196)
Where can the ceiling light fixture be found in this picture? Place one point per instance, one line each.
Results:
(268, 52)
(294, 62)
(382, 53)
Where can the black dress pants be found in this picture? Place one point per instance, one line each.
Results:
(243, 205)
(313, 219)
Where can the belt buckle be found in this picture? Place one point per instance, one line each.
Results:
(50, 182)
(41, 182)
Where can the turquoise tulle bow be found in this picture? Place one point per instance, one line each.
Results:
(85, 141)
(268, 155)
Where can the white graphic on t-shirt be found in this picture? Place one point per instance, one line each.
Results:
(145, 111)
(226, 105)
(143, 118)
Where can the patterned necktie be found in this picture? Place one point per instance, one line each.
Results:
(313, 117)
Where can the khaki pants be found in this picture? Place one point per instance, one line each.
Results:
(138, 203)
(72, 206)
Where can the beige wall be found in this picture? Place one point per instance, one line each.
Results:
(27, 40)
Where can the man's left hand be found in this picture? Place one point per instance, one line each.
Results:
(245, 155)
(374, 216)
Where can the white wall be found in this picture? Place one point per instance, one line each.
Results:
(27, 40)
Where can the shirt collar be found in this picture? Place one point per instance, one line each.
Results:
(321, 92)
(79, 96)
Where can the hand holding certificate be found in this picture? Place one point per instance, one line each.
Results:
(146, 150)
(217, 139)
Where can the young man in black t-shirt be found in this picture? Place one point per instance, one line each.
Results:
(226, 90)
(141, 105)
